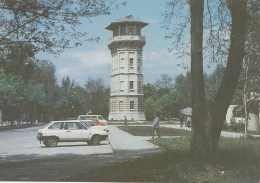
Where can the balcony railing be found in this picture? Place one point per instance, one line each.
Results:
(126, 38)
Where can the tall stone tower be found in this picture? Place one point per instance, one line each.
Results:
(126, 46)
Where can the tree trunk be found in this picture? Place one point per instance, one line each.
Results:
(245, 99)
(198, 90)
(1, 118)
(208, 120)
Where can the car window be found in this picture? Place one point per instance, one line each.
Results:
(74, 126)
(46, 125)
(100, 117)
(82, 117)
(80, 126)
(86, 123)
(56, 126)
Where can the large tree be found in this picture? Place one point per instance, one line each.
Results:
(164, 84)
(249, 83)
(97, 96)
(31, 26)
(49, 25)
(183, 88)
(72, 100)
(208, 116)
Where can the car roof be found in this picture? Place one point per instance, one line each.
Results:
(66, 121)
(90, 115)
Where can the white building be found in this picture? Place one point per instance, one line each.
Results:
(126, 46)
(234, 114)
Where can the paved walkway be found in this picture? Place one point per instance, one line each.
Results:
(223, 133)
(123, 141)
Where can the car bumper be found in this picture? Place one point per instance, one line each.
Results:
(104, 137)
(39, 136)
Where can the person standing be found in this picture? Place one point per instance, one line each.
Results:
(156, 125)
(125, 120)
(188, 122)
(181, 120)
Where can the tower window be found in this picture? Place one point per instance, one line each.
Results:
(131, 30)
(131, 86)
(122, 30)
(132, 104)
(131, 63)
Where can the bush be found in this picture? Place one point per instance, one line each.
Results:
(234, 126)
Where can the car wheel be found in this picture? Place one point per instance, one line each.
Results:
(52, 141)
(95, 140)
(89, 142)
(45, 142)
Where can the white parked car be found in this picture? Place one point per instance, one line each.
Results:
(69, 131)
(91, 124)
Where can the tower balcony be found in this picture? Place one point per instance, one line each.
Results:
(126, 38)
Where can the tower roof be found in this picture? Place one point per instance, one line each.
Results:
(128, 19)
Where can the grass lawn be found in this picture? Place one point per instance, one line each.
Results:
(238, 161)
(148, 131)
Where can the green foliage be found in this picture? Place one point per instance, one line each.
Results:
(97, 97)
(162, 98)
(18, 96)
(38, 22)
(72, 100)
(148, 131)
(29, 90)
(249, 80)
(180, 144)
(151, 108)
(164, 84)
(183, 88)
(149, 91)
(234, 127)
(212, 82)
(237, 161)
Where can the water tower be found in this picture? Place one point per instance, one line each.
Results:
(126, 46)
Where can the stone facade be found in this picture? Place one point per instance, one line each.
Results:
(126, 46)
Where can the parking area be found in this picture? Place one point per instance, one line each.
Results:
(23, 142)
(23, 158)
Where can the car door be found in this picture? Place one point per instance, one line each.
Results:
(75, 131)
(56, 129)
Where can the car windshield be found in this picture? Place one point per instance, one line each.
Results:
(85, 123)
(83, 117)
(100, 117)
(46, 125)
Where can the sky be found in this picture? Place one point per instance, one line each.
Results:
(93, 59)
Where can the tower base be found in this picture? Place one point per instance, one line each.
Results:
(131, 116)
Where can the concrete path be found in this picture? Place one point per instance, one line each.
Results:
(123, 141)
(223, 133)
